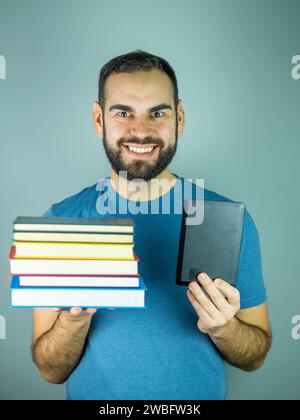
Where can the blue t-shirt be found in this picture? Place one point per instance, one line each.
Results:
(157, 352)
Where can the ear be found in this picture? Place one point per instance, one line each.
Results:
(180, 118)
(98, 119)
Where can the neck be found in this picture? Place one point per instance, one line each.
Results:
(143, 190)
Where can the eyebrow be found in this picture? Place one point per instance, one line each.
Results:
(130, 109)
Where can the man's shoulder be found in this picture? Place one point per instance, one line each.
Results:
(214, 196)
(198, 187)
(248, 225)
(79, 204)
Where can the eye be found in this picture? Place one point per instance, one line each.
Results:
(122, 112)
(158, 112)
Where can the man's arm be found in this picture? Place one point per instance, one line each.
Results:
(250, 345)
(242, 336)
(58, 341)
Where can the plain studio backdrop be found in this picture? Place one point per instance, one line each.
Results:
(233, 61)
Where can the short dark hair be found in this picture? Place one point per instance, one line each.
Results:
(132, 62)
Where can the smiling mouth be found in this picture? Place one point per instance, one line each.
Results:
(140, 150)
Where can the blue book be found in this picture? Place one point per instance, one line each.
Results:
(85, 297)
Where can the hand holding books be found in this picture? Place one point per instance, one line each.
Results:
(76, 310)
(75, 263)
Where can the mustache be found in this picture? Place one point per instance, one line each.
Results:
(144, 142)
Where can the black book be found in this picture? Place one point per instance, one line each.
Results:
(213, 244)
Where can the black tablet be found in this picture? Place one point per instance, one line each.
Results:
(211, 242)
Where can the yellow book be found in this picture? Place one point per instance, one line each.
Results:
(72, 250)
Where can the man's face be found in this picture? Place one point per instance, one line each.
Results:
(140, 127)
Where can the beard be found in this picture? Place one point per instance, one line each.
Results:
(140, 168)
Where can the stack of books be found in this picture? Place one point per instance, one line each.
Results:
(66, 262)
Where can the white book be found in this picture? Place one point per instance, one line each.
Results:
(100, 267)
(73, 237)
(84, 297)
(74, 224)
(72, 250)
(80, 281)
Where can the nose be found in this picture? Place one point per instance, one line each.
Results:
(140, 127)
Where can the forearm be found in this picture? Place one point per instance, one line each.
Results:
(242, 345)
(57, 352)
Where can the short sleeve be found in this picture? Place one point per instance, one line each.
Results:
(250, 281)
(48, 213)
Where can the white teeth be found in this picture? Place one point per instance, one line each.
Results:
(141, 149)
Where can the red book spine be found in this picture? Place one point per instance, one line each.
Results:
(12, 252)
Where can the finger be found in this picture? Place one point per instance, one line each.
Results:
(198, 308)
(76, 310)
(205, 301)
(60, 309)
(213, 292)
(91, 311)
(232, 294)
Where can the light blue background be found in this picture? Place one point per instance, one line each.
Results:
(233, 63)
